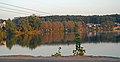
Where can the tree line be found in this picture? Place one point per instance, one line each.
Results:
(33, 24)
(96, 19)
(36, 24)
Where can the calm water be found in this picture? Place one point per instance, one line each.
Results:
(98, 44)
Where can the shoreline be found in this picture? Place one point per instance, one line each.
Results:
(30, 56)
(24, 58)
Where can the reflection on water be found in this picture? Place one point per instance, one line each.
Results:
(60, 38)
(55, 39)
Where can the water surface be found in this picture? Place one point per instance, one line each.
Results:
(95, 43)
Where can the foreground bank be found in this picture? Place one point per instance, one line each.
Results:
(21, 58)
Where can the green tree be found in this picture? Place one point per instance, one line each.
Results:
(10, 26)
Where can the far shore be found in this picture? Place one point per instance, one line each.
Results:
(28, 58)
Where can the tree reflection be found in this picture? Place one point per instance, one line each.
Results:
(53, 38)
(10, 41)
(23, 40)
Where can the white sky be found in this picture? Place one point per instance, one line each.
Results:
(63, 7)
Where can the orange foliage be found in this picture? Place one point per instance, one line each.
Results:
(52, 26)
(81, 26)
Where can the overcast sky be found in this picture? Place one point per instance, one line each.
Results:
(62, 7)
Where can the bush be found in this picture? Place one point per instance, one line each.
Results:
(56, 55)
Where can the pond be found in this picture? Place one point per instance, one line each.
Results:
(95, 43)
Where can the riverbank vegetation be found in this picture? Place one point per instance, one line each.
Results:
(34, 25)
(28, 26)
(66, 23)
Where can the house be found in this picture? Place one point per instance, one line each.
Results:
(117, 27)
(89, 25)
(117, 24)
(94, 26)
(98, 25)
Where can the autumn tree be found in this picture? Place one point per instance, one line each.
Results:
(108, 25)
(81, 26)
